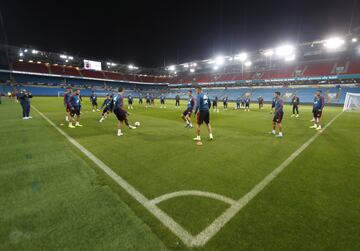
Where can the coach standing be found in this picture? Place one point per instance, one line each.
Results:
(24, 99)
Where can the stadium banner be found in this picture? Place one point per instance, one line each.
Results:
(92, 65)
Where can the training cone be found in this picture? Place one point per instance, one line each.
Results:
(199, 143)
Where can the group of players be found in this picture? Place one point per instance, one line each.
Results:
(199, 106)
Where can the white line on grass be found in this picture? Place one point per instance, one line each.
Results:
(219, 222)
(178, 230)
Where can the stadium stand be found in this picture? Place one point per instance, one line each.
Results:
(30, 67)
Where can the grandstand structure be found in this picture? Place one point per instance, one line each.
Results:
(333, 62)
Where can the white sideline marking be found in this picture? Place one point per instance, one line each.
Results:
(178, 230)
(193, 193)
(211, 230)
(219, 222)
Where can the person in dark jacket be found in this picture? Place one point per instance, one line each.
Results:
(24, 99)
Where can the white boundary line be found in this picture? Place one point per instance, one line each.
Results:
(203, 237)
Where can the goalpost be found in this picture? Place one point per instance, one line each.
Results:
(352, 102)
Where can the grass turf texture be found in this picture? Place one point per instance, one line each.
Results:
(313, 204)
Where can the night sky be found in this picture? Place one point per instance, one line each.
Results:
(154, 33)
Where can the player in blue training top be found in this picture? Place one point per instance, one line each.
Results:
(202, 113)
(215, 104)
(278, 114)
(67, 95)
(93, 100)
(318, 106)
(119, 111)
(225, 102)
(148, 100)
(247, 103)
(107, 108)
(162, 101)
(272, 105)
(130, 102)
(75, 107)
(238, 102)
(186, 116)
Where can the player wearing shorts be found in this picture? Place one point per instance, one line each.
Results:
(119, 111)
(107, 108)
(247, 104)
(202, 114)
(295, 102)
(162, 101)
(177, 101)
(75, 107)
(225, 102)
(67, 95)
(261, 102)
(215, 104)
(238, 102)
(186, 116)
(278, 115)
(148, 101)
(318, 106)
(130, 102)
(140, 99)
(93, 100)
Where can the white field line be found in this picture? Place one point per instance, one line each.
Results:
(219, 222)
(193, 193)
(174, 227)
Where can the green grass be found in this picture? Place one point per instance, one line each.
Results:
(53, 197)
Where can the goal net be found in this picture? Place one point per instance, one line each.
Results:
(352, 102)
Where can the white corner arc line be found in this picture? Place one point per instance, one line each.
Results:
(215, 196)
(174, 227)
(219, 222)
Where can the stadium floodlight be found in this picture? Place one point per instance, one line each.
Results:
(26, 50)
(70, 57)
(290, 58)
(219, 60)
(20, 60)
(334, 43)
(38, 62)
(66, 60)
(231, 58)
(285, 50)
(171, 68)
(63, 56)
(268, 53)
(113, 64)
(193, 64)
(130, 66)
(21, 54)
(354, 40)
(192, 70)
(34, 52)
(30, 61)
(241, 57)
(216, 67)
(248, 63)
(186, 65)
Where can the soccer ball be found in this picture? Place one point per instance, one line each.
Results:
(137, 124)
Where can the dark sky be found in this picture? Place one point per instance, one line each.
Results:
(151, 33)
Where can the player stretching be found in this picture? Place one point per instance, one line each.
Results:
(225, 102)
(67, 95)
(215, 104)
(247, 104)
(75, 107)
(318, 107)
(261, 102)
(121, 114)
(202, 113)
(278, 115)
(186, 116)
(162, 101)
(93, 100)
(130, 102)
(295, 101)
(107, 108)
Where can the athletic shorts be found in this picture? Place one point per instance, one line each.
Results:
(317, 113)
(214, 103)
(106, 110)
(75, 111)
(278, 117)
(162, 102)
(148, 101)
(130, 102)
(247, 104)
(67, 108)
(203, 116)
(94, 103)
(120, 114)
(187, 112)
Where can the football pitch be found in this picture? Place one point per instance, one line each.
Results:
(155, 189)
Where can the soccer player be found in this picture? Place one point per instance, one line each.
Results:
(225, 102)
(272, 106)
(67, 95)
(215, 104)
(202, 114)
(247, 104)
(24, 99)
(107, 108)
(119, 111)
(93, 100)
(140, 99)
(152, 99)
(295, 101)
(186, 116)
(261, 102)
(177, 101)
(318, 106)
(162, 101)
(238, 102)
(130, 102)
(148, 100)
(278, 115)
(75, 107)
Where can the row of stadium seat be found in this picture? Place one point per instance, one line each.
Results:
(302, 70)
